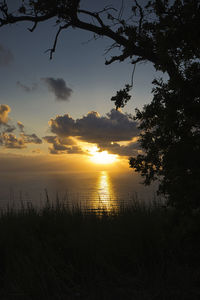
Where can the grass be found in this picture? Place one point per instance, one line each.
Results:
(136, 253)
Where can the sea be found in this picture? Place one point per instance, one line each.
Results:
(94, 190)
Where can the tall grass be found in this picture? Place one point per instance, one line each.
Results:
(137, 252)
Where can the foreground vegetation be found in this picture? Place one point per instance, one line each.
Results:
(135, 253)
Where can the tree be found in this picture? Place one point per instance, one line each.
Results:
(167, 34)
(170, 136)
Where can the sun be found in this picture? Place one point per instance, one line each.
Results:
(102, 157)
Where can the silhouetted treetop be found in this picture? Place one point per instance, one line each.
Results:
(158, 31)
(170, 139)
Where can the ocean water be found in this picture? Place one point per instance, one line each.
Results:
(91, 189)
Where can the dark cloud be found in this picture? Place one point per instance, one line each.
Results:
(50, 139)
(130, 149)
(4, 111)
(56, 143)
(68, 150)
(26, 88)
(54, 139)
(75, 150)
(6, 56)
(64, 126)
(94, 128)
(31, 138)
(7, 128)
(11, 141)
(105, 131)
(62, 145)
(58, 87)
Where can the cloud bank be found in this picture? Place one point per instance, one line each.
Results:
(116, 132)
(93, 128)
(105, 131)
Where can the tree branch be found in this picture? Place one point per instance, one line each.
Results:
(141, 15)
(137, 60)
(94, 15)
(33, 28)
(121, 10)
(10, 19)
(143, 52)
(53, 49)
(115, 58)
(106, 31)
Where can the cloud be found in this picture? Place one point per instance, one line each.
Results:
(20, 126)
(4, 111)
(26, 88)
(6, 56)
(4, 125)
(70, 150)
(58, 87)
(93, 128)
(105, 131)
(8, 139)
(31, 138)
(11, 141)
(8, 128)
(130, 149)
(52, 139)
(62, 145)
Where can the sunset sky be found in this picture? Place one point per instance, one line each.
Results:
(60, 109)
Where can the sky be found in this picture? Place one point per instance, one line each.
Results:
(60, 109)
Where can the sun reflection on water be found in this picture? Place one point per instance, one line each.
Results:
(106, 196)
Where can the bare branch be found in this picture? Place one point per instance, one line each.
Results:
(107, 8)
(4, 9)
(119, 58)
(108, 49)
(33, 28)
(106, 31)
(141, 15)
(94, 15)
(101, 30)
(94, 38)
(132, 75)
(121, 10)
(53, 49)
(137, 60)
(10, 19)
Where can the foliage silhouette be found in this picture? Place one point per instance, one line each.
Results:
(167, 34)
(170, 136)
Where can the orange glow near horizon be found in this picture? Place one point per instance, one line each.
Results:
(102, 157)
